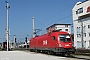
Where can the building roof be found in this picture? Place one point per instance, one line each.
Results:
(81, 2)
(61, 24)
(57, 24)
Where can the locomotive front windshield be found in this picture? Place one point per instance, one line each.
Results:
(64, 38)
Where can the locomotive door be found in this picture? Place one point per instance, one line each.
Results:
(53, 42)
(34, 44)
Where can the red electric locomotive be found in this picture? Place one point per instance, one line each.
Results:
(54, 42)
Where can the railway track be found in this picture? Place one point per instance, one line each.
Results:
(72, 56)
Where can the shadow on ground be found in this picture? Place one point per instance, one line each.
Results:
(71, 56)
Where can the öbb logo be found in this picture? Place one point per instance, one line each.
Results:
(88, 9)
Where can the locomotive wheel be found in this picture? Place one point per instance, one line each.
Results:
(31, 50)
(67, 54)
(50, 52)
(37, 51)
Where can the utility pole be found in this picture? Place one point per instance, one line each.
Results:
(9, 39)
(82, 34)
(7, 18)
(32, 26)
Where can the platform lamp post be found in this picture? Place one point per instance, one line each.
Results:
(7, 25)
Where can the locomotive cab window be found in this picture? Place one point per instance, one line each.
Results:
(53, 37)
(64, 38)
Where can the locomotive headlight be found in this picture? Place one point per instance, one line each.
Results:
(60, 45)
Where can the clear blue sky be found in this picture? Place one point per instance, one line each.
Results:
(45, 12)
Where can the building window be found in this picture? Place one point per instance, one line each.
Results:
(80, 10)
(84, 29)
(88, 26)
(79, 44)
(89, 34)
(78, 35)
(66, 25)
(66, 29)
(78, 30)
(84, 34)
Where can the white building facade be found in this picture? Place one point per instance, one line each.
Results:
(61, 27)
(81, 22)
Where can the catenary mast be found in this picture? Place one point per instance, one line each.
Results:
(7, 24)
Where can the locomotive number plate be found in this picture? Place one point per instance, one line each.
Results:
(66, 44)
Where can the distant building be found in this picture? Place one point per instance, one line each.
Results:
(60, 27)
(81, 21)
(0, 45)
